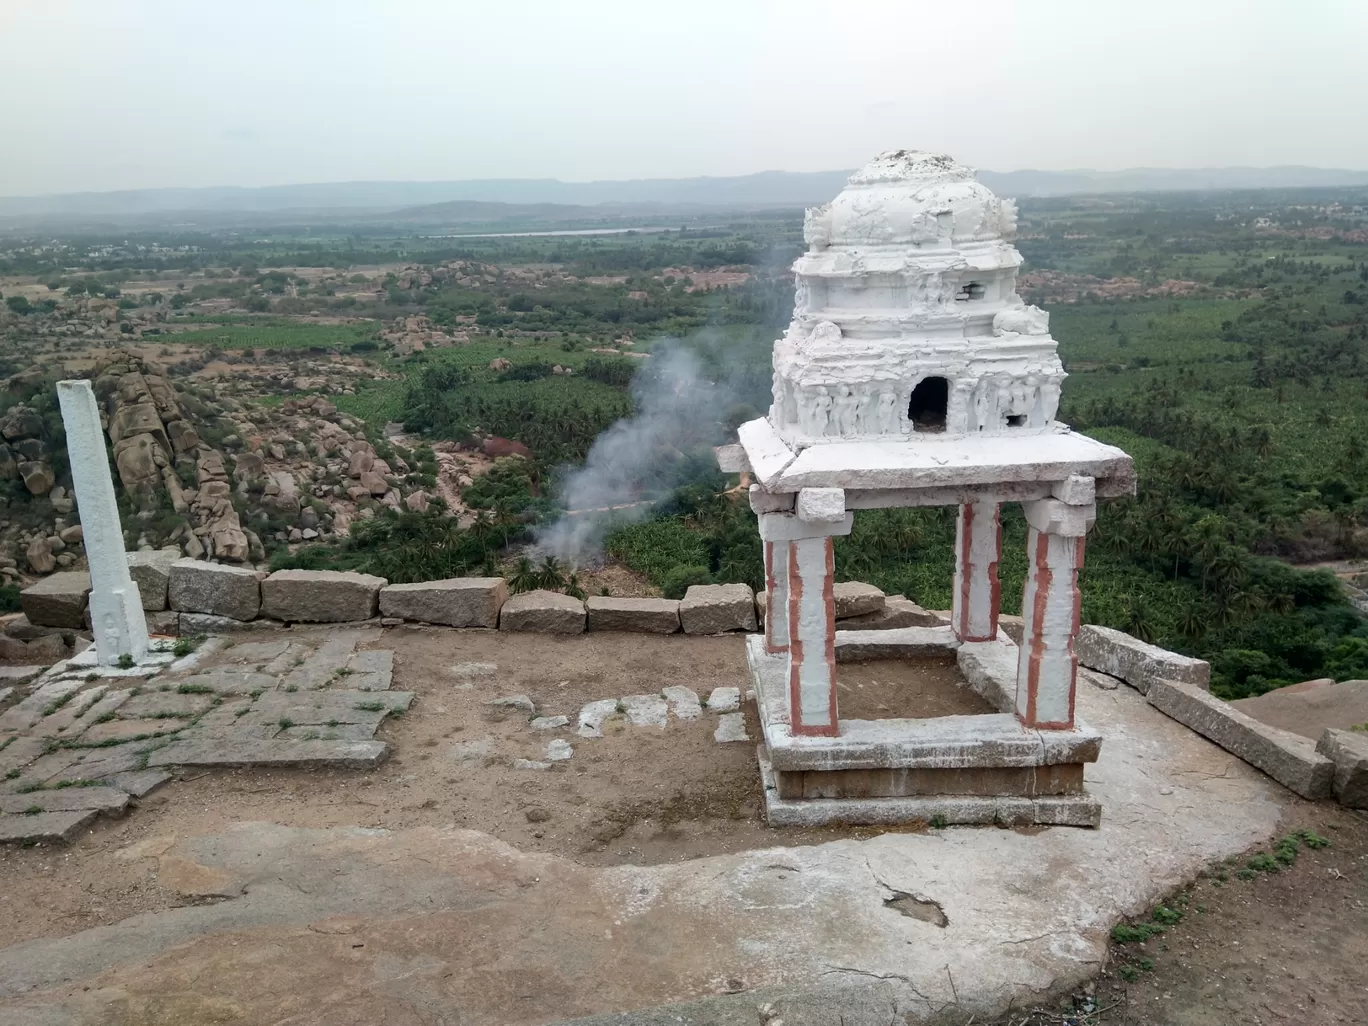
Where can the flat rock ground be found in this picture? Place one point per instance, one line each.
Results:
(449, 886)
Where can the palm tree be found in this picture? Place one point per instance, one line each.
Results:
(550, 574)
(573, 588)
(525, 577)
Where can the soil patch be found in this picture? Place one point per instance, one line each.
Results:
(919, 688)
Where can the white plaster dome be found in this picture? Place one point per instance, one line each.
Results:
(912, 197)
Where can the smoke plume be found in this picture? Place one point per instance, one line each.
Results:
(678, 414)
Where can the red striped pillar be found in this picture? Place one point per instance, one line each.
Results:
(978, 550)
(1047, 667)
(812, 638)
(776, 596)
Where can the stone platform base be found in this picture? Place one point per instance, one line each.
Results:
(981, 769)
(942, 809)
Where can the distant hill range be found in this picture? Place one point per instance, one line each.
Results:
(481, 200)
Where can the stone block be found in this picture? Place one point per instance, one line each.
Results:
(1134, 661)
(57, 601)
(192, 624)
(905, 643)
(1348, 750)
(1288, 758)
(46, 827)
(197, 586)
(320, 596)
(896, 612)
(151, 572)
(646, 615)
(337, 754)
(717, 608)
(821, 505)
(455, 602)
(166, 622)
(854, 598)
(543, 612)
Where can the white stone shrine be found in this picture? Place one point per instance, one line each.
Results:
(912, 374)
(116, 612)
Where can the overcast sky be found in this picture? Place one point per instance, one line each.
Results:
(120, 94)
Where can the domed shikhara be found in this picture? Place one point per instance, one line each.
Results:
(906, 318)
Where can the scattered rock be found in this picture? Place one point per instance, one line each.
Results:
(39, 556)
(724, 700)
(549, 722)
(683, 702)
(646, 710)
(593, 715)
(559, 750)
(522, 702)
(731, 727)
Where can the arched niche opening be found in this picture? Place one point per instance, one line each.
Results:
(927, 409)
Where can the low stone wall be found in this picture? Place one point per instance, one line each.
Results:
(190, 596)
(195, 596)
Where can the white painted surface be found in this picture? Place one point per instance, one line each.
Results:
(909, 274)
(116, 612)
(978, 550)
(776, 595)
(1049, 627)
(812, 623)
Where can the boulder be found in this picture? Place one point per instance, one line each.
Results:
(374, 483)
(196, 586)
(135, 458)
(57, 601)
(9, 466)
(39, 556)
(151, 572)
(73, 535)
(183, 436)
(320, 596)
(854, 598)
(21, 422)
(38, 477)
(715, 608)
(417, 502)
(646, 615)
(135, 419)
(455, 602)
(543, 612)
(1134, 661)
(1348, 750)
(361, 463)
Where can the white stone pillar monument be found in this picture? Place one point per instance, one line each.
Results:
(116, 611)
(978, 550)
(1047, 668)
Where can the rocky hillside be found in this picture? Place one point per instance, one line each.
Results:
(196, 468)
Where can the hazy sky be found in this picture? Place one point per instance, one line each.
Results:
(120, 94)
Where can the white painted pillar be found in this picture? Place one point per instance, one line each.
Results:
(776, 596)
(116, 611)
(812, 637)
(1047, 667)
(811, 608)
(978, 593)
